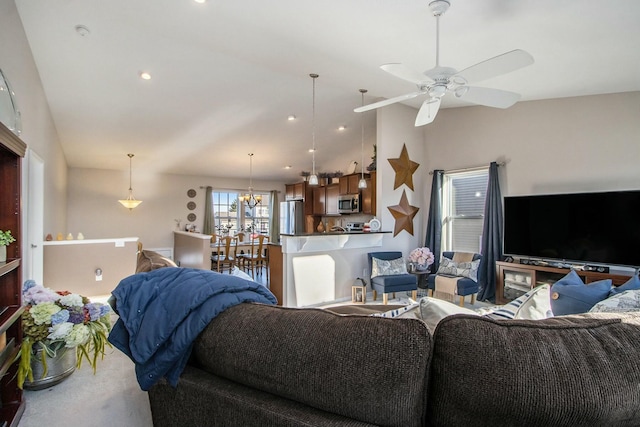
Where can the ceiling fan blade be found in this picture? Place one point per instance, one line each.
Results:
(486, 96)
(402, 72)
(428, 111)
(496, 66)
(389, 101)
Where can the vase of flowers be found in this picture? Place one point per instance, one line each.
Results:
(5, 240)
(422, 258)
(59, 329)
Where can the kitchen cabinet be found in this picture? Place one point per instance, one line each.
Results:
(319, 201)
(368, 198)
(349, 183)
(301, 191)
(325, 200)
(331, 199)
(12, 150)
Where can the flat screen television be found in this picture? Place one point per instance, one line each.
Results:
(598, 228)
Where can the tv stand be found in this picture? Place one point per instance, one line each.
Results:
(515, 279)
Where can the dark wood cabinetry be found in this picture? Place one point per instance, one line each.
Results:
(368, 197)
(12, 150)
(325, 200)
(301, 191)
(349, 184)
(515, 279)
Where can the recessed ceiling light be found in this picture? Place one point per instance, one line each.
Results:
(288, 167)
(200, 1)
(342, 127)
(311, 150)
(145, 76)
(82, 30)
(291, 117)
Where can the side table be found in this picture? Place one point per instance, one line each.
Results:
(422, 278)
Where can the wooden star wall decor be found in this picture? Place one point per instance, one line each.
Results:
(404, 168)
(403, 214)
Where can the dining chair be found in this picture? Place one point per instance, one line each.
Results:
(225, 258)
(256, 258)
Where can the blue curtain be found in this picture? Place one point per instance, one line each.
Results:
(433, 237)
(491, 237)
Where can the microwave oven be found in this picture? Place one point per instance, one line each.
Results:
(349, 203)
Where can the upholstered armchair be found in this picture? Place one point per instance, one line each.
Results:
(458, 273)
(389, 275)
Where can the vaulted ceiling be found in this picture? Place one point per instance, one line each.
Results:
(227, 74)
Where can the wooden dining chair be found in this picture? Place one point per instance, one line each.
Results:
(224, 258)
(256, 259)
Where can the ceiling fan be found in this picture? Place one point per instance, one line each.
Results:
(437, 81)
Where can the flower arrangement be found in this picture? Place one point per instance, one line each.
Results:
(421, 256)
(57, 321)
(6, 238)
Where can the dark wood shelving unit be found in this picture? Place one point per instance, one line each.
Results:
(12, 150)
(514, 279)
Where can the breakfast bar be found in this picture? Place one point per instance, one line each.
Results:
(322, 267)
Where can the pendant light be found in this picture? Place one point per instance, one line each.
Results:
(130, 202)
(313, 179)
(249, 198)
(362, 183)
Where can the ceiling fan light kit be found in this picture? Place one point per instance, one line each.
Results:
(439, 80)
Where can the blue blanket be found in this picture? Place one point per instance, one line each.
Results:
(163, 311)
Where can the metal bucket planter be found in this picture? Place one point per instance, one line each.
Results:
(58, 368)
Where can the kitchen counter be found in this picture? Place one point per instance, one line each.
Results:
(333, 233)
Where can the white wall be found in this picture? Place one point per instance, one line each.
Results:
(395, 128)
(95, 212)
(588, 143)
(39, 132)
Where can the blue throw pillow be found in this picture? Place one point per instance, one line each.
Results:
(570, 295)
(630, 285)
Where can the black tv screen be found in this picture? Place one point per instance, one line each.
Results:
(598, 228)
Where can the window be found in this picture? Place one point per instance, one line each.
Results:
(232, 216)
(463, 200)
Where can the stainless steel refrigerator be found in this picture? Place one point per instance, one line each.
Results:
(292, 217)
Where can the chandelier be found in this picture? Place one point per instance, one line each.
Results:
(313, 179)
(252, 200)
(130, 202)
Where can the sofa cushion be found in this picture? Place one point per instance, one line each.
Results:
(563, 371)
(570, 295)
(533, 305)
(411, 311)
(433, 310)
(383, 267)
(150, 260)
(371, 369)
(631, 284)
(625, 301)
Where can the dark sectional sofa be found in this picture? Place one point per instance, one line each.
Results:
(260, 365)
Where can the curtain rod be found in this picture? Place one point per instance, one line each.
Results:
(476, 168)
(244, 190)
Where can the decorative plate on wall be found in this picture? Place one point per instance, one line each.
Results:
(191, 205)
(191, 193)
(191, 217)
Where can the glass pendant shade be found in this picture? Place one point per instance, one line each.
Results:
(130, 202)
(313, 179)
(362, 183)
